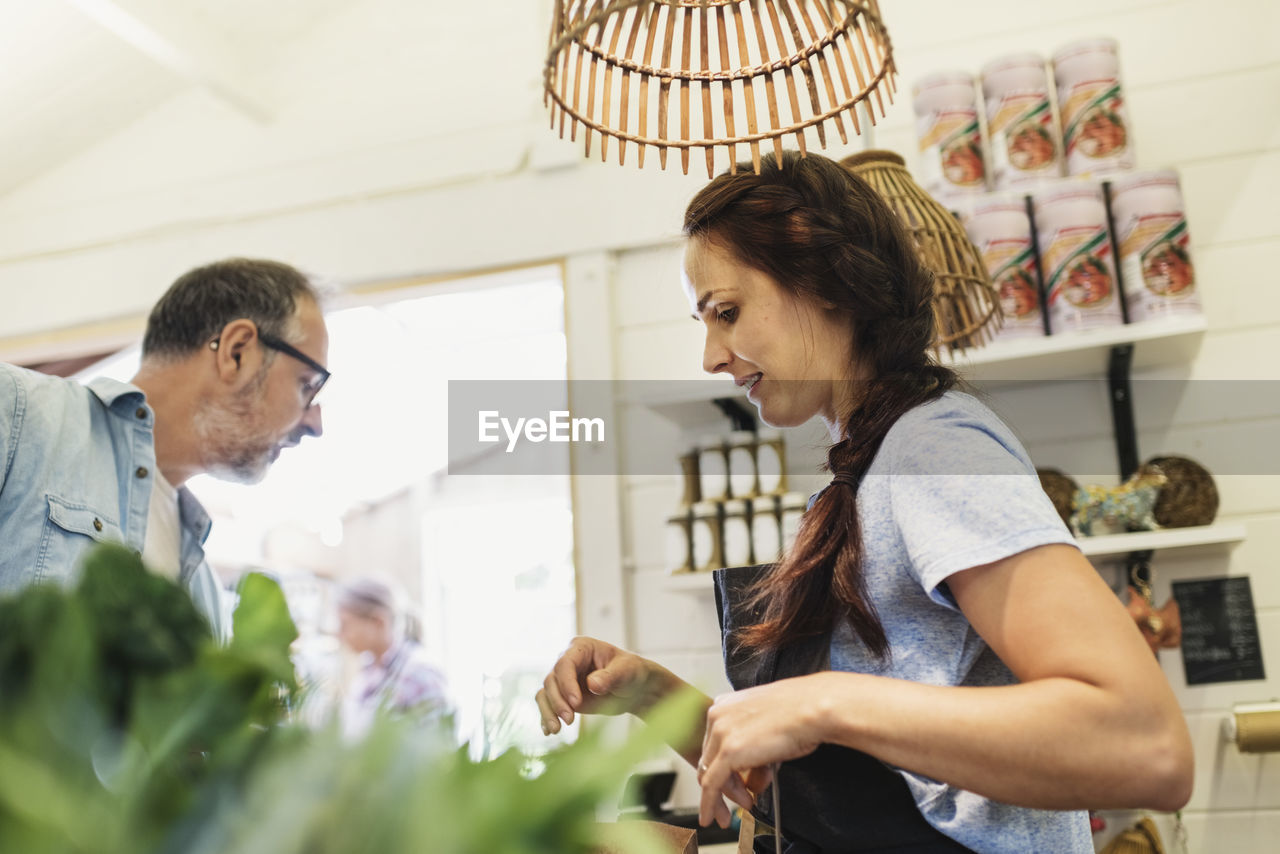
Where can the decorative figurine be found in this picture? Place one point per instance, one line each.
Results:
(1116, 510)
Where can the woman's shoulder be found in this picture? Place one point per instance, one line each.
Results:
(955, 431)
(952, 409)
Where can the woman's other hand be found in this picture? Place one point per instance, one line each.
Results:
(749, 730)
(594, 677)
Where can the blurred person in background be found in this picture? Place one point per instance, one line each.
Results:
(395, 676)
(232, 360)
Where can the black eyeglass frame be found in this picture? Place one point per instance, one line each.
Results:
(289, 350)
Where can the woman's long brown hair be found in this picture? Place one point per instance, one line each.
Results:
(824, 234)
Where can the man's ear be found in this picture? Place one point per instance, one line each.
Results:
(236, 356)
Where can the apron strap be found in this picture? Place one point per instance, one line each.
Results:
(835, 800)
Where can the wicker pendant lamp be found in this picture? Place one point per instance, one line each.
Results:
(965, 304)
(704, 74)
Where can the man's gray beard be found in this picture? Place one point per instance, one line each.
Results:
(219, 432)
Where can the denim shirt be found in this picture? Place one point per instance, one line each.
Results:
(77, 464)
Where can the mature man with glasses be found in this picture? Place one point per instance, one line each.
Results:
(232, 361)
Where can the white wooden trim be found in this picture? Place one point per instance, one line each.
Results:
(597, 502)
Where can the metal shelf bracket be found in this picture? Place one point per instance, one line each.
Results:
(1124, 429)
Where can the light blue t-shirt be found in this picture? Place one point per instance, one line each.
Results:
(952, 488)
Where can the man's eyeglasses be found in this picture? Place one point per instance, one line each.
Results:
(322, 373)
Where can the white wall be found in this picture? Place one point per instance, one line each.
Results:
(381, 163)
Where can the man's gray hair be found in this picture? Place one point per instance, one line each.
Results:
(201, 302)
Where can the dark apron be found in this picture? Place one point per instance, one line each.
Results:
(835, 800)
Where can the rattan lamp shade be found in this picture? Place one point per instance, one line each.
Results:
(964, 302)
(705, 74)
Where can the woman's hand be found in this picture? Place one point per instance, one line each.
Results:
(594, 677)
(749, 730)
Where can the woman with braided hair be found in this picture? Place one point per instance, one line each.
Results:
(933, 666)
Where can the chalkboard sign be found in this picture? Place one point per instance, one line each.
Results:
(1219, 630)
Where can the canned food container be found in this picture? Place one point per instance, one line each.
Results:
(1095, 122)
(1076, 257)
(949, 136)
(1155, 253)
(766, 529)
(1001, 230)
(771, 462)
(736, 533)
(1021, 124)
(707, 543)
(689, 473)
(680, 542)
(741, 447)
(713, 468)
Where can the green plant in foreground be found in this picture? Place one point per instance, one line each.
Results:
(125, 728)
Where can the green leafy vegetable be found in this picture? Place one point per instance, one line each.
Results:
(125, 729)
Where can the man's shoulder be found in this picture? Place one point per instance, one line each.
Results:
(26, 391)
(11, 387)
(15, 379)
(46, 392)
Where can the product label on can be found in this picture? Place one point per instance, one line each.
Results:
(1093, 120)
(1077, 264)
(1156, 260)
(952, 149)
(1011, 264)
(1022, 136)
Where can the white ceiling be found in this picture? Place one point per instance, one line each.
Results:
(77, 71)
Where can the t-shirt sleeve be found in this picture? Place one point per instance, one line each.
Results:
(964, 494)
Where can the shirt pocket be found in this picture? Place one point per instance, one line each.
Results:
(70, 530)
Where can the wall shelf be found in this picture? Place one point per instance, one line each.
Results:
(1111, 353)
(1190, 540)
(1206, 539)
(1082, 354)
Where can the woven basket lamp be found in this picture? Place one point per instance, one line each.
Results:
(965, 304)
(704, 74)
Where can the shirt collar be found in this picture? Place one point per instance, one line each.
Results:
(116, 394)
(194, 517)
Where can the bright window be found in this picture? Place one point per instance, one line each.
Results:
(487, 560)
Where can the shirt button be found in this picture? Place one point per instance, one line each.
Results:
(142, 412)
(97, 524)
(141, 472)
